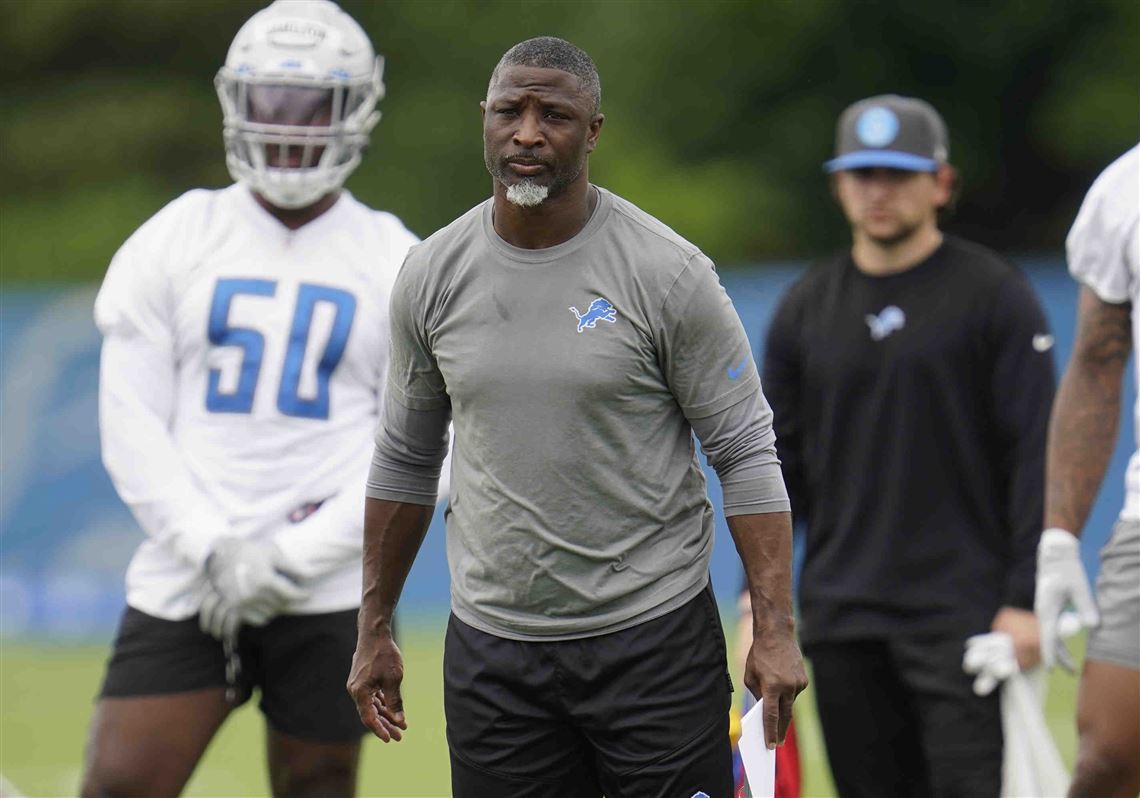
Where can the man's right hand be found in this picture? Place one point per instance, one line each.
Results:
(374, 683)
(1061, 580)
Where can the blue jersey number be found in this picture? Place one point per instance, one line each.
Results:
(252, 344)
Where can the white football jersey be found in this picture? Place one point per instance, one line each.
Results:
(1103, 249)
(240, 382)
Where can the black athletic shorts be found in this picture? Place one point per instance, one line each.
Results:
(633, 714)
(300, 663)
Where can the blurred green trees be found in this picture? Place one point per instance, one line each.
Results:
(718, 114)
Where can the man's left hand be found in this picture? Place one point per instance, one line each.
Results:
(775, 672)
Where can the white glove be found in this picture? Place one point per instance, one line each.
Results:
(991, 657)
(246, 585)
(1061, 580)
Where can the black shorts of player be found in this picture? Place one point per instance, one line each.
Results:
(900, 719)
(300, 663)
(637, 713)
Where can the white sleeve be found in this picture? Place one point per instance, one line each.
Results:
(136, 408)
(329, 538)
(1102, 245)
(334, 534)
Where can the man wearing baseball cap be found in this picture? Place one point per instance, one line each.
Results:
(911, 381)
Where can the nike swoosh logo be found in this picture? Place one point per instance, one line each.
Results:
(736, 372)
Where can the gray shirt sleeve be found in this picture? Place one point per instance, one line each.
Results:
(708, 364)
(741, 447)
(410, 448)
(703, 350)
(413, 372)
(412, 438)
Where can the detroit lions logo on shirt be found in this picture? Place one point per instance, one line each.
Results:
(600, 310)
(888, 320)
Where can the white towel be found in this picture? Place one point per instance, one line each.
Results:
(1031, 764)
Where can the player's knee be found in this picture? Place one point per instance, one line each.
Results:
(109, 777)
(325, 777)
(1105, 768)
(115, 768)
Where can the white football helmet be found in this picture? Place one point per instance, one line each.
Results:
(298, 90)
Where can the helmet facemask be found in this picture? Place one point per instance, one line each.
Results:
(293, 137)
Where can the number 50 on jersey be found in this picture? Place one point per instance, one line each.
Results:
(299, 360)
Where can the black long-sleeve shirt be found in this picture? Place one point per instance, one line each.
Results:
(910, 413)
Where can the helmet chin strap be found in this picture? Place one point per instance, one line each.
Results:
(292, 188)
(284, 197)
(290, 203)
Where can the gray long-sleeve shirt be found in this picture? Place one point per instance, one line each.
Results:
(575, 377)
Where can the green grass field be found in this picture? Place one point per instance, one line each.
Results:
(46, 699)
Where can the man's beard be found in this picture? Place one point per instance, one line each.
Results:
(527, 194)
(903, 232)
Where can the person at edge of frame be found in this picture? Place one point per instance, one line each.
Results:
(579, 344)
(1103, 250)
(911, 380)
(242, 370)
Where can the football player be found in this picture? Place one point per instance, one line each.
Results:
(1103, 249)
(243, 362)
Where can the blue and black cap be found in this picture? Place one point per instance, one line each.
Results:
(892, 131)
